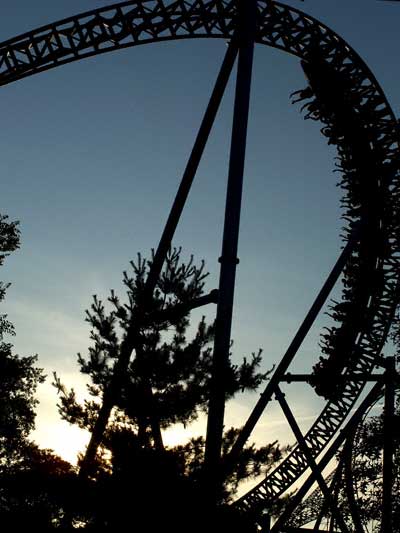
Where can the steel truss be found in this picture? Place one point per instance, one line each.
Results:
(314, 508)
(138, 22)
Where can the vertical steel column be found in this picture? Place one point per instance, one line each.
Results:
(162, 250)
(388, 446)
(247, 10)
(267, 524)
(193, 164)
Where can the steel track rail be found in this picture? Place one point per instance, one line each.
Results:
(310, 508)
(138, 22)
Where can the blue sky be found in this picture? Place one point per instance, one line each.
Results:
(92, 154)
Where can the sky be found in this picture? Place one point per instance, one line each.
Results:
(92, 154)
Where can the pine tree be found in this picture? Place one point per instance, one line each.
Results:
(167, 383)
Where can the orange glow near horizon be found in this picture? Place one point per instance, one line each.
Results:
(64, 439)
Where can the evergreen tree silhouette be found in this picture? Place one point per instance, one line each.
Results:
(138, 479)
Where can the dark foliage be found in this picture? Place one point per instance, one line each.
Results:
(9, 242)
(367, 472)
(30, 478)
(167, 383)
(38, 491)
(19, 377)
(358, 480)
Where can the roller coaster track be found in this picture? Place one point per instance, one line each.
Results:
(311, 507)
(138, 22)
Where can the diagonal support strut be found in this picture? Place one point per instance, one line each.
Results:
(350, 427)
(131, 339)
(310, 460)
(246, 19)
(298, 339)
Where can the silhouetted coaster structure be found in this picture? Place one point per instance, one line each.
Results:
(345, 97)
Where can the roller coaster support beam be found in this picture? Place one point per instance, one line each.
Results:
(310, 460)
(172, 313)
(348, 430)
(246, 24)
(334, 488)
(346, 462)
(162, 250)
(388, 445)
(284, 363)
